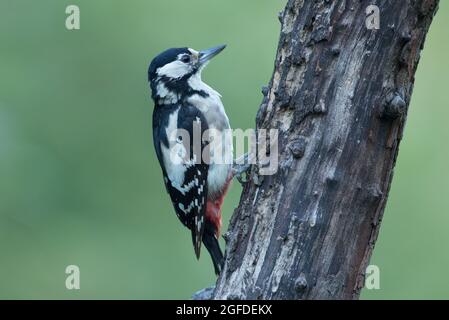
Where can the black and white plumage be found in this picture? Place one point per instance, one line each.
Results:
(185, 109)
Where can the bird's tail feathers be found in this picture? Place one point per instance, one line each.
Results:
(212, 245)
(196, 240)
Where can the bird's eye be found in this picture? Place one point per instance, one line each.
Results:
(185, 58)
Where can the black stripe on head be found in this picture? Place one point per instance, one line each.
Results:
(179, 87)
(163, 58)
(182, 87)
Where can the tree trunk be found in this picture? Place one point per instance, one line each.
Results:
(339, 97)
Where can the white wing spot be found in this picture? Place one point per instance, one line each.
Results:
(186, 210)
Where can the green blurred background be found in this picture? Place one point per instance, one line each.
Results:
(79, 181)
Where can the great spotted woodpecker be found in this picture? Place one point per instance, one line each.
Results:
(196, 174)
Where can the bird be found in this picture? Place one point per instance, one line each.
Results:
(193, 142)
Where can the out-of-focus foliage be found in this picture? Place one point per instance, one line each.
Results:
(79, 180)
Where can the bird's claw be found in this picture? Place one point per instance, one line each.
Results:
(241, 168)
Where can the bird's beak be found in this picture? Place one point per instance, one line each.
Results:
(206, 55)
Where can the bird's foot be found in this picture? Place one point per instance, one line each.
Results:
(241, 167)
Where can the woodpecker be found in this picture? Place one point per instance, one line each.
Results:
(196, 180)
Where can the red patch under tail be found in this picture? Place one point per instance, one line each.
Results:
(213, 210)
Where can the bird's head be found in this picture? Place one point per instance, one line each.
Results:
(169, 72)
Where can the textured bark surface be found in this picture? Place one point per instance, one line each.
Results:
(339, 97)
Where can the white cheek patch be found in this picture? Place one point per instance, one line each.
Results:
(174, 70)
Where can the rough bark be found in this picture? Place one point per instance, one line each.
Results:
(339, 96)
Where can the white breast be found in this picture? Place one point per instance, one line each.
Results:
(221, 151)
(211, 106)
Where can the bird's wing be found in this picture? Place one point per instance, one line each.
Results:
(185, 173)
